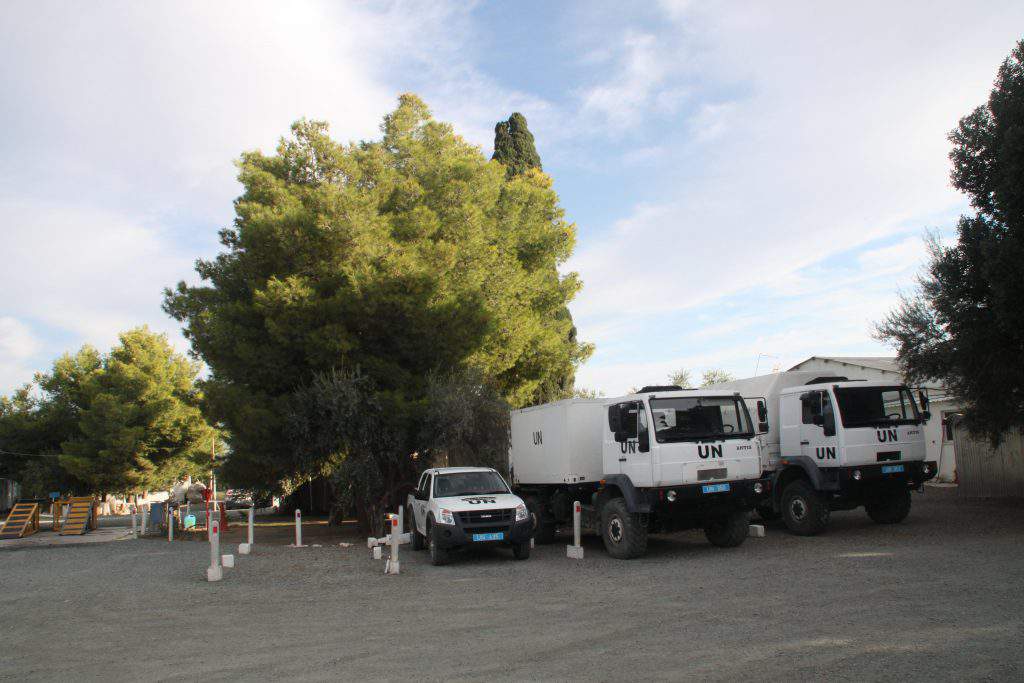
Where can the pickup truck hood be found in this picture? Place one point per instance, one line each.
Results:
(495, 501)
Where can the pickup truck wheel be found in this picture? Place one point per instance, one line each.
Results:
(891, 508)
(767, 513)
(417, 539)
(804, 511)
(728, 531)
(521, 551)
(438, 555)
(623, 535)
(543, 524)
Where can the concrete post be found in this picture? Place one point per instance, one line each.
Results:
(214, 571)
(170, 524)
(246, 548)
(134, 532)
(145, 514)
(298, 530)
(575, 551)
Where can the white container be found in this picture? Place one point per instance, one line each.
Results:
(558, 443)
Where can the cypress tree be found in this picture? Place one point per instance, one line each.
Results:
(514, 147)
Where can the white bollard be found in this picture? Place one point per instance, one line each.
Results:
(145, 513)
(246, 548)
(298, 530)
(395, 539)
(134, 533)
(575, 551)
(757, 530)
(170, 524)
(214, 571)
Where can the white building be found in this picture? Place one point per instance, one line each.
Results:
(938, 431)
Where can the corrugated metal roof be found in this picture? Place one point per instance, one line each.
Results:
(883, 363)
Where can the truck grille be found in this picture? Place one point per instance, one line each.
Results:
(485, 517)
(707, 475)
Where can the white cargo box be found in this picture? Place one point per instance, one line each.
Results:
(558, 443)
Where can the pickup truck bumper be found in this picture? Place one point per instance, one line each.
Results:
(452, 535)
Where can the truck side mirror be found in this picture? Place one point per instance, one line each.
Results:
(762, 411)
(926, 415)
(924, 399)
(818, 419)
(644, 441)
(762, 427)
(620, 435)
(615, 421)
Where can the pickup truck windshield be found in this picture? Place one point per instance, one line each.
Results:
(468, 484)
(876, 406)
(700, 418)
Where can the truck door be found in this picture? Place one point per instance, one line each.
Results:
(818, 428)
(631, 442)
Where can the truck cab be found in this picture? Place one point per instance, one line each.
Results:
(453, 507)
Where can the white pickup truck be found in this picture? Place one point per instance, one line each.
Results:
(459, 506)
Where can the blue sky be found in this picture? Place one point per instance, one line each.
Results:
(746, 178)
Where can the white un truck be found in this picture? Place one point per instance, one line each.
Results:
(832, 443)
(657, 461)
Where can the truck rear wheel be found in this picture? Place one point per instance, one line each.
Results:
(438, 555)
(543, 523)
(804, 511)
(728, 531)
(891, 508)
(623, 534)
(417, 539)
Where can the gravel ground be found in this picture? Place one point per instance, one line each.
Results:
(938, 597)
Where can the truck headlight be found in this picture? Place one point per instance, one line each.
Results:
(521, 513)
(926, 469)
(856, 475)
(447, 517)
(671, 496)
(758, 488)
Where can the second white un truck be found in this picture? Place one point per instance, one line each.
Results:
(832, 443)
(661, 460)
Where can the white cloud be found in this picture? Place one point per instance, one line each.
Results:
(17, 345)
(831, 135)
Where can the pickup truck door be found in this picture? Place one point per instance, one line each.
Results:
(421, 501)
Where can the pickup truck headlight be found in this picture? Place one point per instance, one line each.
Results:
(446, 516)
(521, 513)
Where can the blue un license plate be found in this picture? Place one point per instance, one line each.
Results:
(489, 537)
(714, 488)
(890, 469)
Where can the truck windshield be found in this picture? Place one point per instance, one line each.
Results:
(876, 406)
(468, 484)
(700, 417)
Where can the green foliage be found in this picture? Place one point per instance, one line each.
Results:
(405, 257)
(514, 146)
(466, 422)
(680, 378)
(712, 377)
(127, 421)
(586, 392)
(965, 324)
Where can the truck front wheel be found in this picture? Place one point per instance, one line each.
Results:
(417, 538)
(804, 511)
(623, 534)
(728, 531)
(891, 508)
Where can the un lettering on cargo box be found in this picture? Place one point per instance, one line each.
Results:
(558, 443)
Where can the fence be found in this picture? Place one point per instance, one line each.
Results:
(986, 472)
